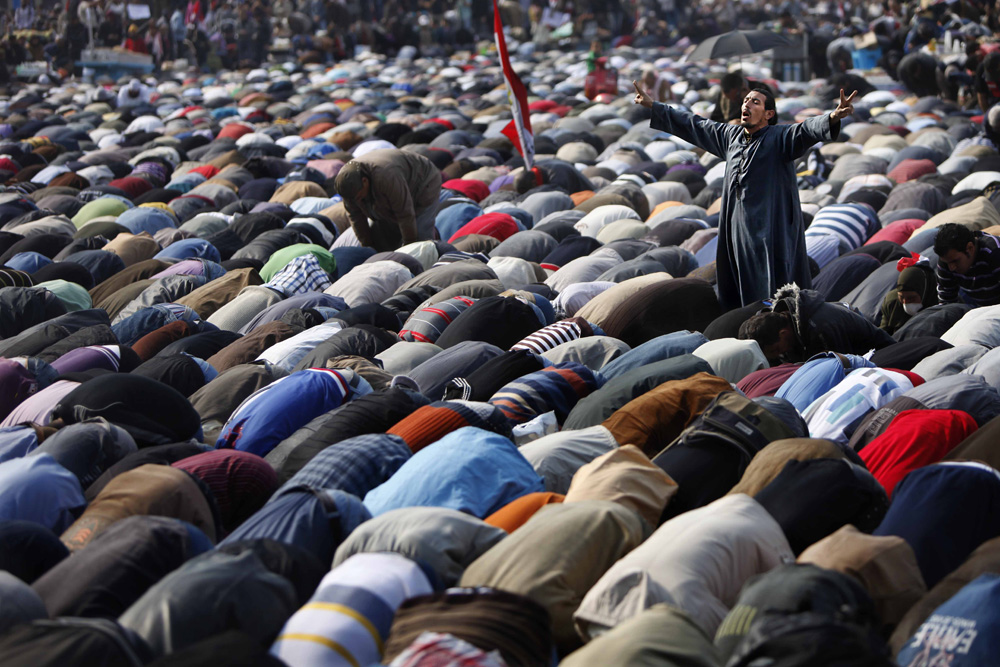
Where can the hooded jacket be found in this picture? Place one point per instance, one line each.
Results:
(821, 327)
(698, 561)
(917, 278)
(557, 556)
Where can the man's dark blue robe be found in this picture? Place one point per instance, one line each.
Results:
(761, 233)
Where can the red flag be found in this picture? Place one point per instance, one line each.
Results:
(519, 129)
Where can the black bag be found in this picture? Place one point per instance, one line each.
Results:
(809, 640)
(710, 456)
(793, 589)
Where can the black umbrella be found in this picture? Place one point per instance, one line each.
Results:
(737, 43)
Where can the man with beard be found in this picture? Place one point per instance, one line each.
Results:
(761, 232)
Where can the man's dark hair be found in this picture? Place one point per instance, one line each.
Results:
(349, 183)
(991, 65)
(926, 29)
(765, 328)
(952, 236)
(768, 100)
(732, 81)
(525, 181)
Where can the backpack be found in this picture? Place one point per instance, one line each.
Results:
(790, 590)
(710, 456)
(809, 639)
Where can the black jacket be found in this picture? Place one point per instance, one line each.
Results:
(826, 327)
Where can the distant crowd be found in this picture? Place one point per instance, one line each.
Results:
(225, 34)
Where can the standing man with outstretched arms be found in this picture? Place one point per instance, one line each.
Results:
(761, 233)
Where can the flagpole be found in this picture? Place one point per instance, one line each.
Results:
(519, 129)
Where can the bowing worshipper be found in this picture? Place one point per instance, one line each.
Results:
(682, 563)
(558, 555)
(40, 490)
(513, 628)
(391, 197)
(944, 512)
(133, 94)
(20, 603)
(969, 266)
(949, 635)
(984, 560)
(91, 642)
(104, 579)
(150, 489)
(761, 230)
(801, 324)
(348, 618)
(661, 634)
(442, 540)
(886, 566)
(552, 171)
(915, 290)
(231, 589)
(790, 588)
(28, 549)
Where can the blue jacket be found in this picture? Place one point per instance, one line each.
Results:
(38, 489)
(818, 376)
(469, 470)
(274, 412)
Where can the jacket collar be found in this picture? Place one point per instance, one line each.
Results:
(756, 135)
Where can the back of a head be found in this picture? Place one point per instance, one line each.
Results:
(993, 117)
(763, 328)
(732, 81)
(926, 29)
(952, 236)
(992, 66)
(525, 181)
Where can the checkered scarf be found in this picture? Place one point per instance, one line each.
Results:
(302, 274)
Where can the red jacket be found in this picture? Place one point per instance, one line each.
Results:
(914, 439)
(135, 45)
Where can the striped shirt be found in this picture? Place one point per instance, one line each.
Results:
(850, 224)
(427, 324)
(549, 337)
(980, 285)
(347, 620)
(459, 256)
(556, 388)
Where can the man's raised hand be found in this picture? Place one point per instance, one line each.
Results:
(641, 96)
(846, 107)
